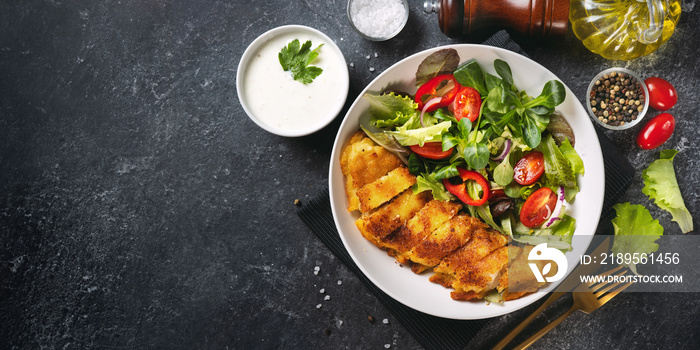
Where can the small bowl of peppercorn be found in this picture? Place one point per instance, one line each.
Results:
(617, 99)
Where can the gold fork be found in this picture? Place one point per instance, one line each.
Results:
(588, 297)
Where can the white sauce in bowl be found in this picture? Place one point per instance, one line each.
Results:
(282, 105)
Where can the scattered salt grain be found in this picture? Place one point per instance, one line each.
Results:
(340, 282)
(328, 297)
(368, 56)
(378, 18)
(385, 321)
(352, 65)
(323, 290)
(386, 346)
(318, 306)
(316, 270)
(376, 55)
(371, 69)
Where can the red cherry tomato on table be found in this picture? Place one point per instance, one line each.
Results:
(656, 131)
(460, 190)
(467, 104)
(529, 168)
(662, 95)
(431, 150)
(444, 86)
(538, 207)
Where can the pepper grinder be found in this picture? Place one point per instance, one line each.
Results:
(533, 19)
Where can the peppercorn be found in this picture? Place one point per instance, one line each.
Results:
(612, 94)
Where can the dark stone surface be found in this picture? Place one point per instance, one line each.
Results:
(141, 208)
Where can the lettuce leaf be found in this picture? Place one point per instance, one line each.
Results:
(660, 184)
(388, 110)
(574, 159)
(410, 137)
(635, 231)
(428, 182)
(557, 169)
(439, 62)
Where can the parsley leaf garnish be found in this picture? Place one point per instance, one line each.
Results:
(296, 58)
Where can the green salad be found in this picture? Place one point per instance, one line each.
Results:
(472, 136)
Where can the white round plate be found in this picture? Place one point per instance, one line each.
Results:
(416, 291)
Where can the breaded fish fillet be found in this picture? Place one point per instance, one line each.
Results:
(427, 220)
(383, 189)
(451, 235)
(521, 281)
(386, 219)
(484, 240)
(475, 281)
(362, 162)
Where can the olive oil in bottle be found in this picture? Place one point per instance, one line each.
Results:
(624, 29)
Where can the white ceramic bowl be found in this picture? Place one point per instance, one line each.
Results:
(414, 290)
(334, 79)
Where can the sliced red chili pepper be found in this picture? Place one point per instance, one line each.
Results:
(460, 190)
(444, 86)
(431, 150)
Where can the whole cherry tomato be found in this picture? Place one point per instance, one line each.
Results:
(662, 95)
(431, 150)
(656, 131)
(466, 104)
(529, 168)
(538, 207)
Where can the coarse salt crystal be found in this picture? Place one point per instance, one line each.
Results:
(340, 282)
(328, 297)
(385, 321)
(323, 290)
(318, 306)
(377, 18)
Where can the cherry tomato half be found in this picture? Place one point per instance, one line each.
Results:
(460, 190)
(431, 150)
(538, 207)
(529, 168)
(444, 86)
(466, 104)
(656, 131)
(662, 95)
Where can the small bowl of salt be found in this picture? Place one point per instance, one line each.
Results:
(378, 20)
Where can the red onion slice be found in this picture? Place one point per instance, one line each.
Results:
(428, 104)
(557, 212)
(504, 153)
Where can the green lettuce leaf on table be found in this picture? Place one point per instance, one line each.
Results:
(660, 184)
(635, 231)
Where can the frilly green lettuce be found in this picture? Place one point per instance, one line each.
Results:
(660, 184)
(388, 110)
(635, 231)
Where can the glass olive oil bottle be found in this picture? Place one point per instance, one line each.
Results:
(624, 29)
